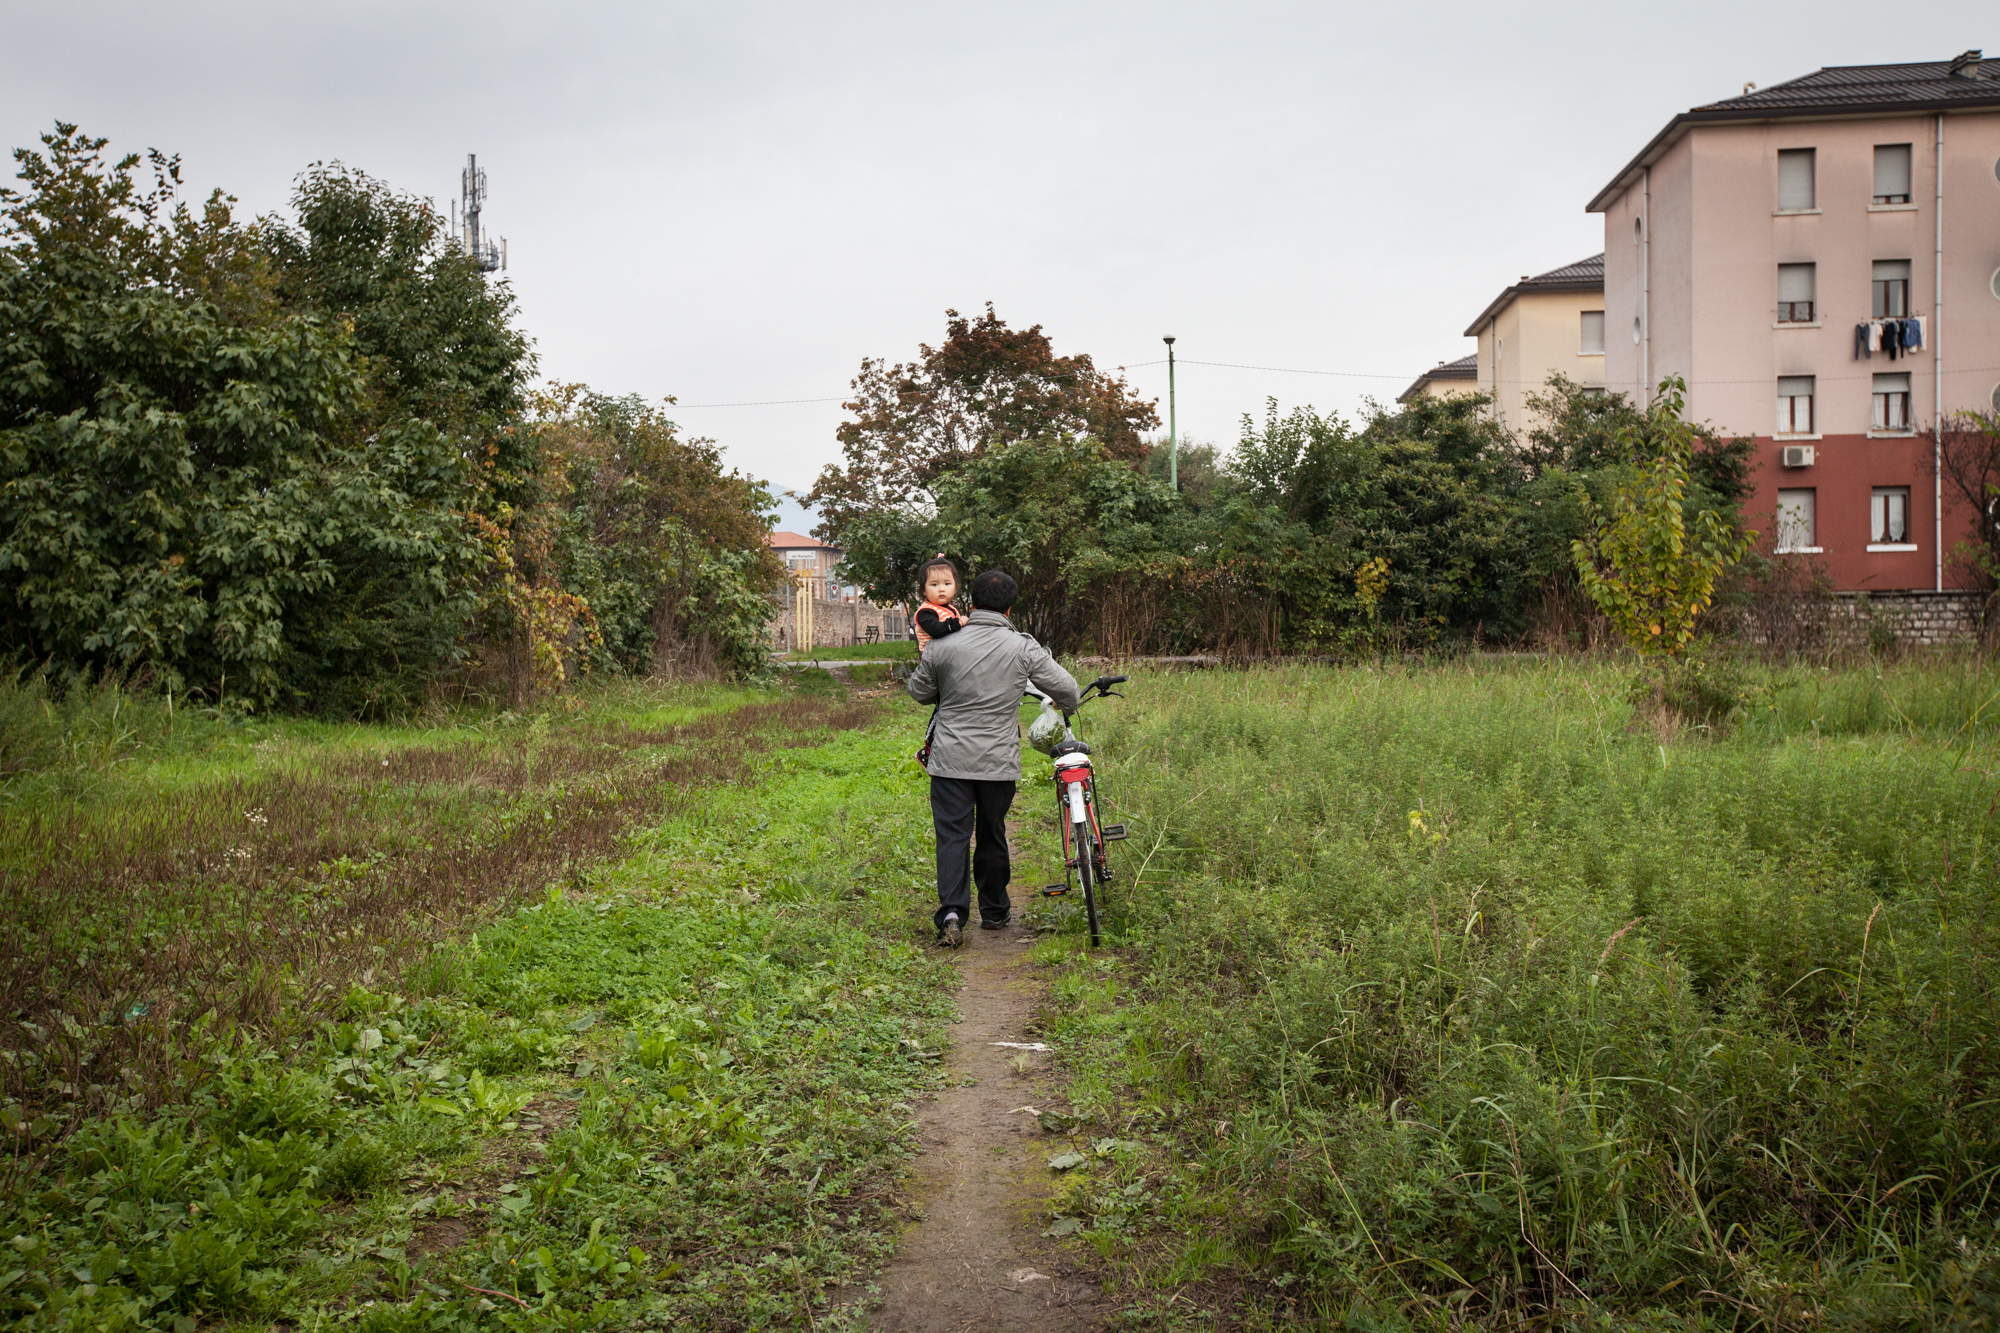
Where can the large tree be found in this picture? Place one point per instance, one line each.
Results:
(664, 541)
(190, 480)
(985, 385)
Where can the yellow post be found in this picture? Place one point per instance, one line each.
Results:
(802, 616)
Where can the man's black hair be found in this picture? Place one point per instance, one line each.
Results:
(995, 590)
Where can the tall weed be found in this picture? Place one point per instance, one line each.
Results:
(1504, 1008)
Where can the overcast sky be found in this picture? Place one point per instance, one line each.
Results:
(737, 202)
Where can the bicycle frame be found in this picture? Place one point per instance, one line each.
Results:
(1083, 835)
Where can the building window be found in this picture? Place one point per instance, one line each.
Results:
(1795, 180)
(1795, 521)
(1889, 516)
(1795, 293)
(1592, 341)
(1892, 403)
(1892, 173)
(1891, 288)
(1795, 405)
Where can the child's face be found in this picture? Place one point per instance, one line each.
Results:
(940, 586)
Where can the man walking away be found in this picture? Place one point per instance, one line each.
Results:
(977, 678)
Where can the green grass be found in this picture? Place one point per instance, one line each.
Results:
(1445, 997)
(899, 650)
(661, 1076)
(1437, 998)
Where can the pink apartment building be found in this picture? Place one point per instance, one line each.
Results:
(1820, 261)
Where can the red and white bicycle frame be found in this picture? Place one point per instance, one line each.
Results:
(1076, 810)
(1076, 798)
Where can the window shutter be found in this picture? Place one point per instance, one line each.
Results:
(1795, 178)
(1892, 171)
(1892, 270)
(1593, 333)
(1892, 384)
(1795, 282)
(1795, 386)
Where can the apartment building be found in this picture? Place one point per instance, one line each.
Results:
(1445, 379)
(1820, 261)
(1545, 323)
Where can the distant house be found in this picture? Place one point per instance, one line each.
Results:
(1816, 260)
(1544, 324)
(1444, 380)
(818, 611)
(805, 555)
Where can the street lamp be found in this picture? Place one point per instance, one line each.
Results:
(1173, 434)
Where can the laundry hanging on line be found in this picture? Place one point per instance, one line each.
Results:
(1891, 337)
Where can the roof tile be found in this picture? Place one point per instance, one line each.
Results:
(1838, 86)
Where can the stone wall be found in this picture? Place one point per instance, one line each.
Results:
(1925, 619)
(833, 622)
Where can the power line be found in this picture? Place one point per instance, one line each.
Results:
(764, 402)
(1281, 370)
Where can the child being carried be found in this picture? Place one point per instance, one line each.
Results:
(937, 585)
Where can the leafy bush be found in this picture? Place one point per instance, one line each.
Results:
(292, 465)
(1659, 573)
(185, 488)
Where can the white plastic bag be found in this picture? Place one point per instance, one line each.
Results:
(1047, 731)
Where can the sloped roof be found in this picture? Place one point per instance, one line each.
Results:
(1585, 275)
(1465, 368)
(1835, 90)
(1837, 87)
(792, 541)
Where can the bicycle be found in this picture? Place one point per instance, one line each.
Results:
(1076, 810)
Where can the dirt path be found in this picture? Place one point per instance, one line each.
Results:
(977, 1261)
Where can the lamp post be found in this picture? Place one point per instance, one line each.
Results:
(1173, 433)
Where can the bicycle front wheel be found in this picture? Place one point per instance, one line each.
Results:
(1086, 870)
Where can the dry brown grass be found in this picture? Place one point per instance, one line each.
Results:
(265, 899)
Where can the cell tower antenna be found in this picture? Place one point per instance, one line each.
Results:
(488, 254)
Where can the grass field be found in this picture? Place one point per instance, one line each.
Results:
(1439, 998)
(605, 1018)
(1444, 999)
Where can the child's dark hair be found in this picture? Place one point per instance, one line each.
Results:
(938, 562)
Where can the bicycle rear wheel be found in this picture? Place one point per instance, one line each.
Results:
(1086, 870)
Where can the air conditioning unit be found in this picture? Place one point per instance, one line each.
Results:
(1798, 455)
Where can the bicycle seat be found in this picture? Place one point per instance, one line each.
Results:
(1069, 747)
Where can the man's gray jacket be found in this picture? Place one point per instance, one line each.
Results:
(977, 676)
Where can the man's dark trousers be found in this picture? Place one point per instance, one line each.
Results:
(958, 805)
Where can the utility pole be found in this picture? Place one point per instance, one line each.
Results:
(1173, 431)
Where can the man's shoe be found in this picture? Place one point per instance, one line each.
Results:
(949, 935)
(997, 923)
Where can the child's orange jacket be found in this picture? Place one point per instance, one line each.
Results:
(934, 619)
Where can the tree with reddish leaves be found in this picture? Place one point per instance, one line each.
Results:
(986, 385)
(1968, 462)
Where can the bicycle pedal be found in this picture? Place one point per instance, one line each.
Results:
(1113, 832)
(1055, 890)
